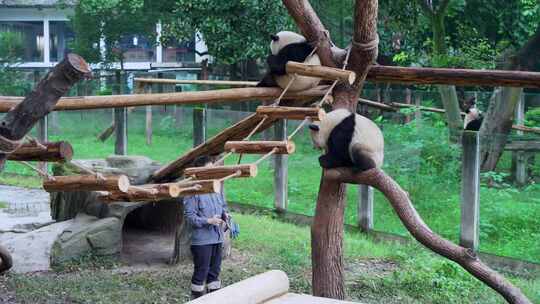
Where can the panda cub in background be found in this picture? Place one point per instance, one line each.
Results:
(473, 118)
(289, 46)
(349, 140)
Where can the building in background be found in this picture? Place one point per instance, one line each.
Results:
(46, 35)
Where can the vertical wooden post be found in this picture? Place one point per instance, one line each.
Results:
(149, 125)
(199, 126)
(120, 118)
(470, 191)
(418, 104)
(408, 100)
(519, 156)
(281, 170)
(43, 136)
(365, 208)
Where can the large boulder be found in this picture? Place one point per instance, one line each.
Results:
(88, 235)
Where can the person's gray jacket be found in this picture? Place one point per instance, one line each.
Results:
(197, 210)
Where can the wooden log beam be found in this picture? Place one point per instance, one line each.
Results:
(142, 193)
(217, 172)
(260, 147)
(26, 113)
(197, 82)
(527, 146)
(118, 183)
(182, 98)
(206, 186)
(60, 151)
(320, 72)
(295, 113)
(463, 77)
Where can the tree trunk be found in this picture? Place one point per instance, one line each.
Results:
(500, 115)
(497, 124)
(327, 240)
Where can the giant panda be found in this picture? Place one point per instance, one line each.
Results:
(289, 46)
(473, 119)
(349, 140)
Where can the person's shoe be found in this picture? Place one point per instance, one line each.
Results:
(197, 291)
(213, 286)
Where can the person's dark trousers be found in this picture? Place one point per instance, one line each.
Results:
(207, 262)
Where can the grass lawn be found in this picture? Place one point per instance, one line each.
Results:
(375, 273)
(420, 159)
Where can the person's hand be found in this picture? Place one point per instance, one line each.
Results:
(216, 221)
(225, 216)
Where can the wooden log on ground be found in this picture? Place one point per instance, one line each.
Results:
(118, 183)
(45, 152)
(197, 81)
(319, 71)
(25, 114)
(217, 172)
(295, 113)
(181, 98)
(260, 147)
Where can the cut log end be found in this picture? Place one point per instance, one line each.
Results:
(78, 63)
(66, 150)
(123, 183)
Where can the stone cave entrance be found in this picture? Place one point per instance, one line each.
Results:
(148, 233)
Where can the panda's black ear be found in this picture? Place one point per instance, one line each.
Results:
(314, 127)
(274, 37)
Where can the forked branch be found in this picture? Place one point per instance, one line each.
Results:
(420, 231)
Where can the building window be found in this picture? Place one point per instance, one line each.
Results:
(138, 48)
(62, 36)
(30, 34)
(174, 51)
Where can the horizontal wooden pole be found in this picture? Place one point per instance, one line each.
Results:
(260, 147)
(46, 152)
(320, 72)
(196, 81)
(531, 146)
(217, 172)
(294, 113)
(118, 183)
(206, 186)
(142, 193)
(463, 77)
(182, 98)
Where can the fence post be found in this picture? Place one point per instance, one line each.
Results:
(408, 100)
(281, 170)
(519, 156)
(199, 126)
(365, 208)
(43, 136)
(418, 104)
(470, 191)
(120, 119)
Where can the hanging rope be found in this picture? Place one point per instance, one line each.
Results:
(42, 173)
(35, 142)
(88, 171)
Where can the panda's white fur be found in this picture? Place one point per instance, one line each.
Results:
(301, 83)
(471, 115)
(367, 136)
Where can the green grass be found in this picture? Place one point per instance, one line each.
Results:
(3, 205)
(375, 272)
(420, 159)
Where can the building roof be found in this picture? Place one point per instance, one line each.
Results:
(35, 3)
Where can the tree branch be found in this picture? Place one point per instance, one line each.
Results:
(408, 215)
(312, 28)
(365, 44)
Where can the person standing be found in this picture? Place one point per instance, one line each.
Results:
(206, 214)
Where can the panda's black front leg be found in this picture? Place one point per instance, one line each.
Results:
(328, 162)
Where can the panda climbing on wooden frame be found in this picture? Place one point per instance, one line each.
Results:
(288, 46)
(348, 140)
(473, 117)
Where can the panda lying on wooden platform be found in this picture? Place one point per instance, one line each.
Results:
(289, 46)
(349, 140)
